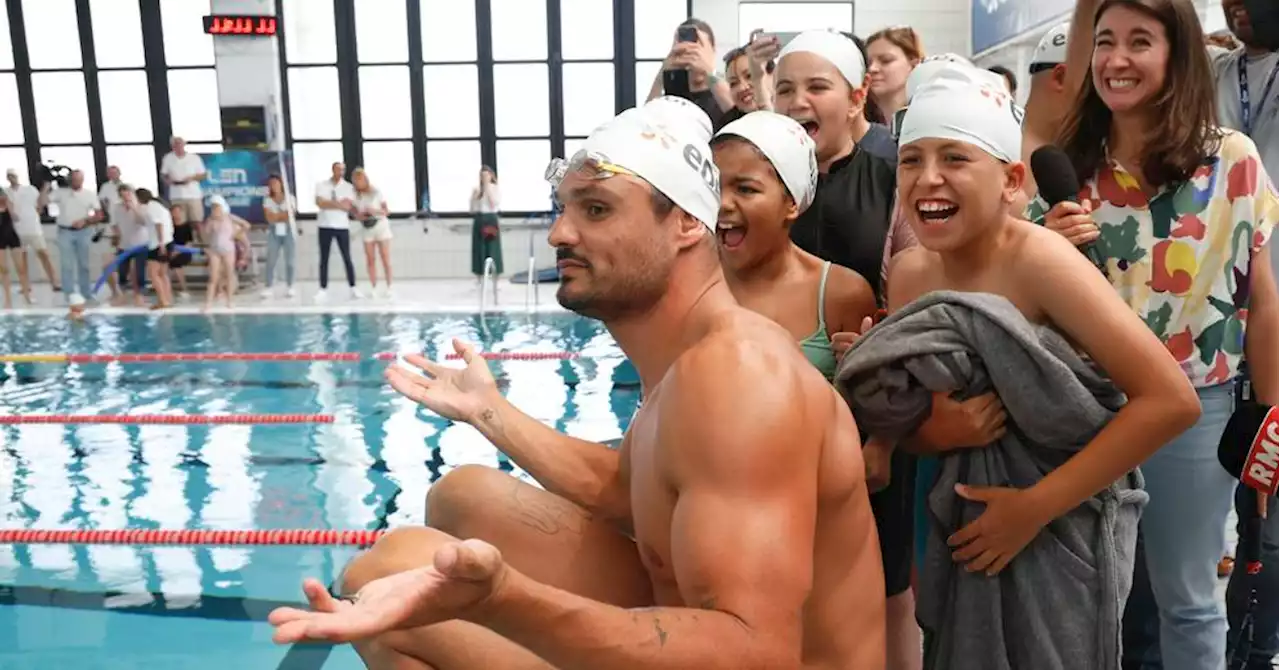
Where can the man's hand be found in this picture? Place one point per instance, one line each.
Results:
(463, 576)
(976, 422)
(1008, 525)
(460, 394)
(1072, 221)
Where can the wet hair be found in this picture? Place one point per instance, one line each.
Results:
(124, 187)
(1009, 77)
(145, 196)
(903, 37)
(870, 108)
(1186, 129)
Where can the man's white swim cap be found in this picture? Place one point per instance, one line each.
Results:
(927, 68)
(837, 49)
(674, 109)
(960, 103)
(665, 150)
(1052, 49)
(787, 146)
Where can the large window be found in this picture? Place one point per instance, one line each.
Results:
(13, 155)
(192, 81)
(504, 83)
(123, 90)
(655, 23)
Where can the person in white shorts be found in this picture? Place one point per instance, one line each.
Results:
(24, 204)
(370, 224)
(183, 173)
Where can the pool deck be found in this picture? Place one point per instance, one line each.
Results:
(418, 296)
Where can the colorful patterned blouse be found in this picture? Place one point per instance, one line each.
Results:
(1181, 259)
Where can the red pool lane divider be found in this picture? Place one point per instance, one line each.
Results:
(166, 419)
(500, 356)
(213, 357)
(190, 537)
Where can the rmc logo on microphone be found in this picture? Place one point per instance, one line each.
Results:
(1264, 457)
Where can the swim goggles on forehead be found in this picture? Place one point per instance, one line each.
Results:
(593, 162)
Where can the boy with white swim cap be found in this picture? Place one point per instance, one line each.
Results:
(958, 171)
(720, 534)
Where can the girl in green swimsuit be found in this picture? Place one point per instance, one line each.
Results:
(768, 175)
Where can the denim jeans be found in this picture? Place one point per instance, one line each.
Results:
(1183, 531)
(1262, 647)
(275, 246)
(73, 257)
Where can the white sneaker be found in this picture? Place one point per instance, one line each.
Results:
(321, 296)
(291, 292)
(387, 293)
(267, 294)
(356, 293)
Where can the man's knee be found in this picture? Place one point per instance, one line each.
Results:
(402, 549)
(464, 497)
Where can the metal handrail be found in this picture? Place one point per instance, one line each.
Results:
(489, 268)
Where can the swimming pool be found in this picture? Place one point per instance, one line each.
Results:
(113, 607)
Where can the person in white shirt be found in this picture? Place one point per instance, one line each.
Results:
(335, 197)
(370, 223)
(78, 210)
(24, 205)
(159, 244)
(130, 219)
(486, 236)
(279, 209)
(109, 192)
(183, 172)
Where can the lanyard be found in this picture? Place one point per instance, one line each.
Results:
(1246, 109)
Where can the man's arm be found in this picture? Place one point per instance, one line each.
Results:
(586, 473)
(1161, 401)
(1260, 334)
(741, 457)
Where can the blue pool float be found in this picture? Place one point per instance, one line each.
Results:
(140, 249)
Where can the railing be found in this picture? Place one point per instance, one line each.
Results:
(489, 268)
(531, 286)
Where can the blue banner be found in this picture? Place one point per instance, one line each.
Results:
(241, 178)
(996, 21)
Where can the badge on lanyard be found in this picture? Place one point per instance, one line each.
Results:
(1246, 108)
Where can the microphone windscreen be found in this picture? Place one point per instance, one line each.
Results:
(1055, 176)
(1237, 442)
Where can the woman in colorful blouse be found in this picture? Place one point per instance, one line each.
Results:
(1177, 212)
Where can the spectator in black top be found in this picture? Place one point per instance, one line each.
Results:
(1010, 80)
(707, 89)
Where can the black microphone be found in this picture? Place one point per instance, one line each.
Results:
(1057, 181)
(1249, 448)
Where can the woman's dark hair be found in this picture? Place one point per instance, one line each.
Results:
(871, 108)
(486, 168)
(144, 195)
(1185, 114)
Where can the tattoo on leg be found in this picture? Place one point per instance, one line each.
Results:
(539, 516)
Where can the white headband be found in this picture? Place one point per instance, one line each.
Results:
(960, 103)
(787, 146)
(837, 49)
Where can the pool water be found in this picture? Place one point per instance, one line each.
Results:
(115, 607)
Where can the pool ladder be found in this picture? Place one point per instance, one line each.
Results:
(489, 268)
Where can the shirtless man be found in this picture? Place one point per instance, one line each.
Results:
(958, 171)
(740, 478)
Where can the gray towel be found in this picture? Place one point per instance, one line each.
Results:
(1058, 604)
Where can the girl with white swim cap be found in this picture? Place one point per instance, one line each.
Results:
(768, 176)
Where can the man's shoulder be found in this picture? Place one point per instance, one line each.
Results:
(746, 357)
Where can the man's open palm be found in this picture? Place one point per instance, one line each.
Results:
(459, 394)
(461, 576)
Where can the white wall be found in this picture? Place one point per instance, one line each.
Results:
(249, 67)
(942, 24)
